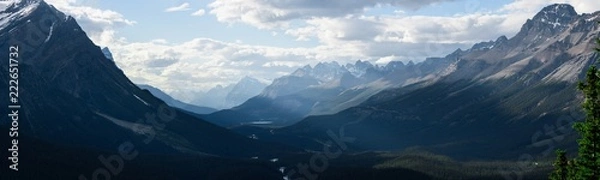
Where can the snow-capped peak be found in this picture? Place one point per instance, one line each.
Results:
(12, 10)
(556, 15)
(6, 3)
(359, 68)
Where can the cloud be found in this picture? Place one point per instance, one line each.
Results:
(342, 30)
(268, 14)
(533, 6)
(182, 7)
(200, 12)
(99, 24)
(404, 37)
(203, 63)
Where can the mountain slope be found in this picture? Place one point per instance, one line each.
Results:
(231, 95)
(514, 96)
(326, 88)
(72, 95)
(176, 103)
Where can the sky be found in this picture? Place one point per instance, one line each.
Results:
(184, 47)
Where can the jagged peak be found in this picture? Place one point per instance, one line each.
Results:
(302, 71)
(486, 45)
(15, 5)
(501, 39)
(248, 79)
(560, 9)
(327, 64)
(14, 10)
(8, 3)
(556, 14)
(483, 45)
(107, 53)
(362, 62)
(458, 50)
(394, 64)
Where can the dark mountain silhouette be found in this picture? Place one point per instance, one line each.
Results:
(73, 97)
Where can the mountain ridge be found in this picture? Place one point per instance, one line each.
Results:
(176, 103)
(224, 97)
(489, 102)
(75, 96)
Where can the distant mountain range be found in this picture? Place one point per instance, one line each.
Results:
(176, 103)
(326, 88)
(498, 99)
(290, 98)
(231, 95)
(73, 96)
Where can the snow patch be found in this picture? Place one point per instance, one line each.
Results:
(7, 3)
(556, 23)
(6, 18)
(137, 97)
(49, 33)
(135, 127)
(450, 69)
(595, 18)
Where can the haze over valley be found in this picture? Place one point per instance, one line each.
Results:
(297, 90)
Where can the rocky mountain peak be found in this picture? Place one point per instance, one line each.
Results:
(556, 15)
(247, 79)
(501, 39)
(107, 53)
(394, 65)
(359, 68)
(302, 71)
(548, 22)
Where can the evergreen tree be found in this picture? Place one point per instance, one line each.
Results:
(587, 164)
(588, 160)
(561, 166)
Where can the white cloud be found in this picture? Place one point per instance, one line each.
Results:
(533, 6)
(203, 63)
(268, 14)
(405, 37)
(387, 59)
(99, 24)
(343, 32)
(200, 12)
(182, 7)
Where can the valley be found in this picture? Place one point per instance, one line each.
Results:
(496, 110)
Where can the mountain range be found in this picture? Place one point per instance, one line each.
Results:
(174, 102)
(326, 88)
(498, 99)
(73, 97)
(231, 95)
